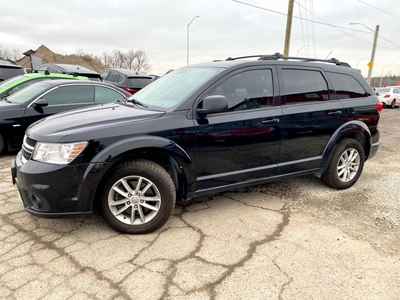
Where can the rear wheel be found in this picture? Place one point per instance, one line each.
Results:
(393, 105)
(138, 197)
(346, 165)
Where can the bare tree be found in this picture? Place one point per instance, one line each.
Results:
(134, 60)
(12, 53)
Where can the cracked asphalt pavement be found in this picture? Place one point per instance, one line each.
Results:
(292, 239)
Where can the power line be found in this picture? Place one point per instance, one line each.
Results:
(326, 24)
(354, 36)
(380, 9)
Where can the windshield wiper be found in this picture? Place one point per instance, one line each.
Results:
(5, 99)
(134, 101)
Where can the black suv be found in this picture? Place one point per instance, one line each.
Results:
(9, 69)
(199, 130)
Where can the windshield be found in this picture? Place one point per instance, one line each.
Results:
(11, 81)
(28, 92)
(171, 89)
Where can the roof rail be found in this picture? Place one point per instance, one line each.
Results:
(277, 56)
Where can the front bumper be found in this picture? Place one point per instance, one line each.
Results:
(55, 191)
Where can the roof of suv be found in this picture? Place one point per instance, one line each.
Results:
(276, 58)
(4, 62)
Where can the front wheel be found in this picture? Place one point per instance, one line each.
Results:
(346, 165)
(138, 197)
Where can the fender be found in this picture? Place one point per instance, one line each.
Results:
(105, 159)
(343, 131)
(109, 153)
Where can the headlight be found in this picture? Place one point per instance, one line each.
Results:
(59, 154)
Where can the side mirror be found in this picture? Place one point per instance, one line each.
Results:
(213, 104)
(41, 102)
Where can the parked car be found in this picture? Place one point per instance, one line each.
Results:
(390, 96)
(17, 83)
(69, 69)
(45, 98)
(9, 69)
(129, 80)
(199, 130)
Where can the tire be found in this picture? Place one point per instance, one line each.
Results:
(345, 166)
(138, 197)
(1, 144)
(393, 105)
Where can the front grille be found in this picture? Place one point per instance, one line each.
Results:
(28, 146)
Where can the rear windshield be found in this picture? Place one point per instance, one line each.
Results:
(28, 93)
(139, 82)
(383, 90)
(6, 72)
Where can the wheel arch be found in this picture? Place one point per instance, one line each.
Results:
(356, 130)
(169, 155)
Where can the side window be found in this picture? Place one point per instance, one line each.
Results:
(304, 86)
(103, 74)
(247, 90)
(103, 95)
(346, 86)
(112, 77)
(70, 94)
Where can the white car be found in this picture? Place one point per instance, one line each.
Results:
(390, 96)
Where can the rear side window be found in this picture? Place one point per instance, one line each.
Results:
(304, 86)
(104, 95)
(6, 73)
(70, 94)
(346, 86)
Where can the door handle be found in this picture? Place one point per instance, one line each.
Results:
(337, 112)
(266, 121)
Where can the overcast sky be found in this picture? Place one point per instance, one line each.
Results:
(224, 28)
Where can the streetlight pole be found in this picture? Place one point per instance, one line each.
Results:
(371, 62)
(382, 74)
(187, 40)
(288, 28)
(359, 61)
(300, 49)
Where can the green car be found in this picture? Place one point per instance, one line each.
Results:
(16, 83)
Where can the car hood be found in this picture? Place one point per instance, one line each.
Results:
(4, 105)
(95, 118)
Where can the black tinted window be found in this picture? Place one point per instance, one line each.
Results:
(304, 86)
(6, 73)
(246, 90)
(346, 86)
(139, 82)
(106, 95)
(70, 94)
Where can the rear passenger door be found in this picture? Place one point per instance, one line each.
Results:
(311, 114)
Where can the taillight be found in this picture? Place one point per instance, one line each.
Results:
(386, 96)
(129, 90)
(379, 106)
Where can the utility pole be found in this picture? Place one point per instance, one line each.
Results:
(371, 63)
(288, 28)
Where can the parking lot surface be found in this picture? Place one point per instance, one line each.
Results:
(292, 239)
